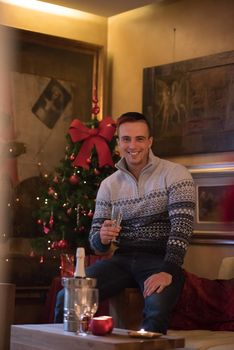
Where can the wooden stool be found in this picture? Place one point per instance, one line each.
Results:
(7, 307)
(126, 309)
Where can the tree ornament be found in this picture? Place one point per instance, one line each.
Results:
(51, 191)
(51, 222)
(90, 214)
(96, 172)
(78, 215)
(93, 137)
(95, 110)
(55, 179)
(74, 180)
(95, 100)
(39, 222)
(54, 245)
(72, 157)
(45, 229)
(88, 160)
(62, 244)
(69, 211)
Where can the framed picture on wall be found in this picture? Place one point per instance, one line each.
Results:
(214, 214)
(190, 105)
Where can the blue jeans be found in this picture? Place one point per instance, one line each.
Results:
(131, 270)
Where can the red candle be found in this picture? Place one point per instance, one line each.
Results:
(101, 325)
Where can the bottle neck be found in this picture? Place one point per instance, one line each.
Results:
(80, 267)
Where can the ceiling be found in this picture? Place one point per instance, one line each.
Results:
(104, 8)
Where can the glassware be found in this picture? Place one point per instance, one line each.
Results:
(85, 305)
(116, 217)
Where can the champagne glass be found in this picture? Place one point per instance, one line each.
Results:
(116, 217)
(85, 305)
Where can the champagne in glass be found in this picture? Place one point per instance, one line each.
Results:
(116, 217)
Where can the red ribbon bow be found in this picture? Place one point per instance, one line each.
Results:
(93, 137)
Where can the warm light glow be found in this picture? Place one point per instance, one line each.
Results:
(42, 6)
(142, 331)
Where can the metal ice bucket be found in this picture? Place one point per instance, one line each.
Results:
(70, 284)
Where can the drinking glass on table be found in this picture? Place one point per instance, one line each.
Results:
(86, 305)
(116, 217)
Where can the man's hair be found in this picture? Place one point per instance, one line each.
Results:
(131, 117)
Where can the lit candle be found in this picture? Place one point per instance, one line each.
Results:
(101, 325)
(143, 334)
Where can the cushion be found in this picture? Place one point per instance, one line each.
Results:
(205, 304)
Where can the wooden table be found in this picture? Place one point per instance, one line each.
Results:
(52, 337)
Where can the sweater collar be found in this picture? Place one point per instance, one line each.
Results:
(152, 163)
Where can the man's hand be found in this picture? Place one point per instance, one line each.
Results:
(108, 232)
(156, 283)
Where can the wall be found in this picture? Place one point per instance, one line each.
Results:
(70, 24)
(145, 37)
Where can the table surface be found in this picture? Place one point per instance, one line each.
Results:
(53, 337)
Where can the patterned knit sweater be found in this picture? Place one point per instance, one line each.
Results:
(158, 210)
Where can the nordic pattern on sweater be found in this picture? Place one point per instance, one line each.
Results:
(158, 210)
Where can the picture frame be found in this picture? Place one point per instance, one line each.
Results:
(53, 82)
(214, 193)
(190, 105)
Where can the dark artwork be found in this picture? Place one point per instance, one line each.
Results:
(51, 103)
(190, 105)
(210, 201)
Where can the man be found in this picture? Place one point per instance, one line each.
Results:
(156, 198)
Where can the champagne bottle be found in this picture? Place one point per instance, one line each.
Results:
(80, 263)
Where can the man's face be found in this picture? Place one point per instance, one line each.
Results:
(134, 143)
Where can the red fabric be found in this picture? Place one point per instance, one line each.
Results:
(227, 211)
(205, 304)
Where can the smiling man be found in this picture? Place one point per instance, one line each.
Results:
(157, 202)
(156, 198)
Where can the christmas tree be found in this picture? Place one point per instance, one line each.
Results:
(67, 206)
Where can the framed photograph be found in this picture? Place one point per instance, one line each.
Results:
(51, 103)
(214, 215)
(190, 105)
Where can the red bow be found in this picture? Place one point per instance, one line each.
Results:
(93, 137)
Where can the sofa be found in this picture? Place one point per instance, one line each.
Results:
(204, 314)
